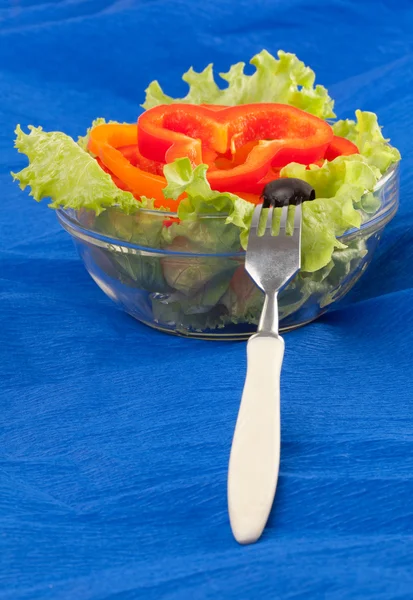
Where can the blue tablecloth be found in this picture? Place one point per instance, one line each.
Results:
(115, 438)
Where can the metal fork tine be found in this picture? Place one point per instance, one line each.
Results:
(283, 220)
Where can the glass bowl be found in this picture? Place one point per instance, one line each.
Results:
(189, 279)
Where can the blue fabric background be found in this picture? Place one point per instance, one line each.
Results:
(115, 438)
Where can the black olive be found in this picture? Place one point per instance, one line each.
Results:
(285, 191)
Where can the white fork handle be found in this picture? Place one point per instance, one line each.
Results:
(255, 452)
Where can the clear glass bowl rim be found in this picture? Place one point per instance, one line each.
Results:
(377, 220)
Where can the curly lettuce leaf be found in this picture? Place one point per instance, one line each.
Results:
(366, 133)
(59, 169)
(339, 186)
(286, 80)
(228, 214)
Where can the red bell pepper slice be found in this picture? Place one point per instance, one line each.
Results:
(340, 146)
(169, 132)
(284, 134)
(170, 221)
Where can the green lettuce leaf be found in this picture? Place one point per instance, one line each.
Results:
(286, 80)
(369, 203)
(228, 214)
(202, 276)
(141, 270)
(366, 133)
(339, 186)
(61, 170)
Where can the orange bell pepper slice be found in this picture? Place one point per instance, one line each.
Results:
(105, 141)
(137, 160)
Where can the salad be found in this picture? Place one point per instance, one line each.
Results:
(211, 153)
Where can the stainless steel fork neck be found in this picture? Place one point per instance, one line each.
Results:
(269, 316)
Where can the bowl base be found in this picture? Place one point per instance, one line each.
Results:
(225, 336)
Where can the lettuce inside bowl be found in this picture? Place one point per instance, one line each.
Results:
(188, 277)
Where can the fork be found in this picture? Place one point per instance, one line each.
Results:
(271, 261)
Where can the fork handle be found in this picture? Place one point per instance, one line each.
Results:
(255, 453)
